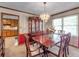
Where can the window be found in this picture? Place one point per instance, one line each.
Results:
(70, 24)
(57, 24)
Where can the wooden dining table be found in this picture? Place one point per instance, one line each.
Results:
(45, 42)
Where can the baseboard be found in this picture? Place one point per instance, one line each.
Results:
(73, 45)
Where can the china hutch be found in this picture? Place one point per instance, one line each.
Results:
(35, 24)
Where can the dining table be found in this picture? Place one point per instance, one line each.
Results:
(46, 42)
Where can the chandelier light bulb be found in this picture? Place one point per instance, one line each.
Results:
(44, 16)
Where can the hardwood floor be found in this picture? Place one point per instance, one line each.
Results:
(74, 52)
(19, 51)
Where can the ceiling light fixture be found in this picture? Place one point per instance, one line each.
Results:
(44, 16)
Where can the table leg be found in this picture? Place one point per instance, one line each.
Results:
(45, 51)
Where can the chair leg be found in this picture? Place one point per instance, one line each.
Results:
(45, 52)
(68, 50)
(2, 54)
(65, 52)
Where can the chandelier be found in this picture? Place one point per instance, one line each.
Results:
(44, 16)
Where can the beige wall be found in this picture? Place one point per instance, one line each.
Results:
(23, 17)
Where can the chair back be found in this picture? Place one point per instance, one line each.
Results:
(68, 38)
(29, 47)
(27, 44)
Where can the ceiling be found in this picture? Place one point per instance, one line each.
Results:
(37, 7)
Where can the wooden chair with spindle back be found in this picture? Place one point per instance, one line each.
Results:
(67, 44)
(64, 45)
(28, 48)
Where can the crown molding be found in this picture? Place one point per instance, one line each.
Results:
(65, 11)
(17, 10)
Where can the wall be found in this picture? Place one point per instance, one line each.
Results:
(23, 17)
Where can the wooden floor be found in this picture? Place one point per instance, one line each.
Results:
(20, 51)
(74, 52)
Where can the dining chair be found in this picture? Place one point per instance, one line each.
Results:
(64, 44)
(2, 52)
(62, 47)
(65, 39)
(29, 47)
(67, 43)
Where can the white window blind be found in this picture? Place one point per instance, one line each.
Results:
(70, 24)
(57, 24)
